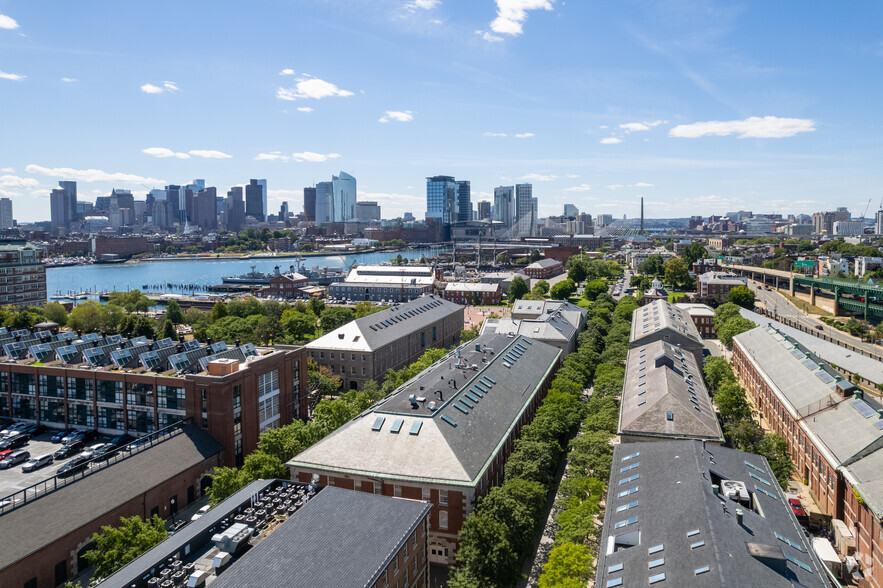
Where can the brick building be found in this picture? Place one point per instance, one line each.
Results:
(287, 285)
(544, 268)
(834, 435)
(367, 348)
(444, 436)
(702, 316)
(718, 284)
(325, 537)
(22, 274)
(663, 321)
(703, 266)
(116, 385)
(119, 246)
(52, 531)
(554, 322)
(473, 293)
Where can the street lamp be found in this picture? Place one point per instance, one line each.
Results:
(172, 506)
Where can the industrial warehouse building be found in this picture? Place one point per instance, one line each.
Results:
(442, 437)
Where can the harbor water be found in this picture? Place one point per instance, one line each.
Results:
(191, 276)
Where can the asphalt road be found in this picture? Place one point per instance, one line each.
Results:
(782, 307)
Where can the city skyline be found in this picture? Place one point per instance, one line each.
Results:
(699, 107)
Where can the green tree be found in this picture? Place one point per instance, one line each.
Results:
(225, 483)
(55, 312)
(576, 269)
(487, 558)
(219, 311)
(677, 272)
(653, 266)
(469, 334)
(743, 296)
(569, 566)
(693, 253)
(320, 378)
(563, 290)
(595, 288)
(542, 285)
(531, 460)
(168, 331)
(725, 312)
(517, 504)
(117, 546)
(173, 312)
(534, 256)
(517, 289)
(317, 305)
(775, 449)
(298, 324)
(287, 441)
(732, 403)
(332, 318)
(717, 372)
(365, 308)
(733, 327)
(261, 466)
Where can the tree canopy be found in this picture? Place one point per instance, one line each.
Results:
(117, 546)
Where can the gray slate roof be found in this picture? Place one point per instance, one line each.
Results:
(454, 442)
(339, 538)
(549, 320)
(544, 263)
(662, 379)
(57, 514)
(387, 326)
(674, 524)
(661, 316)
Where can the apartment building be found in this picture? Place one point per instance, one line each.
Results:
(718, 284)
(22, 274)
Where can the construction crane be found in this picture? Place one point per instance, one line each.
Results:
(868, 205)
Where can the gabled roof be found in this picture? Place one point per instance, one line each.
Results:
(660, 315)
(463, 406)
(661, 381)
(544, 263)
(382, 328)
(665, 520)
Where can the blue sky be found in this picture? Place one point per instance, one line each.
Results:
(700, 107)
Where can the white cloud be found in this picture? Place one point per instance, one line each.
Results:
(755, 127)
(7, 22)
(538, 178)
(571, 176)
(90, 175)
(287, 72)
(524, 135)
(209, 154)
(11, 76)
(272, 156)
(489, 37)
(7, 170)
(422, 4)
(309, 87)
(170, 86)
(311, 157)
(304, 109)
(69, 80)
(511, 15)
(615, 186)
(641, 185)
(151, 89)
(397, 115)
(610, 140)
(580, 188)
(163, 152)
(489, 134)
(17, 182)
(640, 126)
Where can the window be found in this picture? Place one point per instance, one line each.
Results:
(657, 577)
(697, 544)
(655, 549)
(623, 507)
(427, 492)
(614, 568)
(397, 491)
(701, 570)
(614, 582)
(442, 519)
(443, 497)
(625, 493)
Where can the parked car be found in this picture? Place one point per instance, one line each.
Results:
(33, 430)
(60, 435)
(13, 427)
(15, 459)
(137, 443)
(120, 440)
(84, 436)
(69, 450)
(15, 440)
(72, 467)
(200, 512)
(35, 463)
(797, 508)
(5, 453)
(104, 452)
(819, 327)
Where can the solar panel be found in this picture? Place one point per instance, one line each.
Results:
(95, 355)
(219, 346)
(89, 337)
(66, 336)
(113, 339)
(20, 333)
(67, 353)
(163, 343)
(15, 350)
(249, 349)
(824, 376)
(190, 345)
(41, 351)
(864, 409)
(142, 340)
(3, 331)
(150, 359)
(121, 357)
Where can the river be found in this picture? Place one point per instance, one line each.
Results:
(197, 273)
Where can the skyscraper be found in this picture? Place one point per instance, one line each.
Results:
(59, 210)
(484, 210)
(205, 209)
(878, 223)
(283, 212)
(234, 210)
(571, 211)
(70, 189)
(256, 199)
(343, 199)
(324, 192)
(441, 198)
(504, 204)
(175, 195)
(464, 201)
(5, 213)
(525, 211)
(310, 204)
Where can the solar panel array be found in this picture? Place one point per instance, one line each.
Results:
(239, 353)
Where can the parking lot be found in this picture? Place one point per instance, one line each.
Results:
(13, 479)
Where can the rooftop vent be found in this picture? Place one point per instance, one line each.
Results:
(431, 405)
(340, 335)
